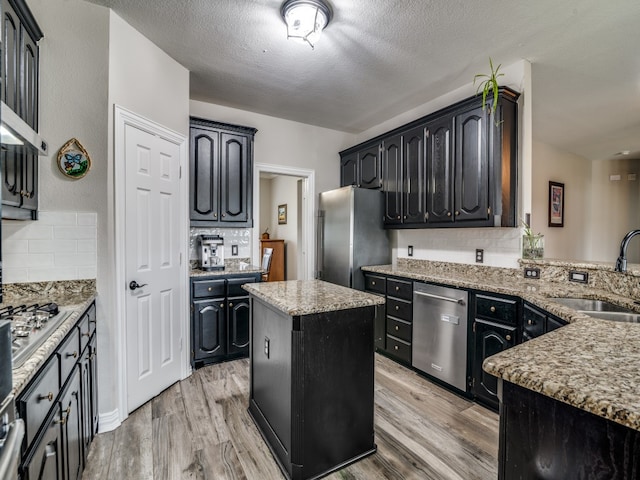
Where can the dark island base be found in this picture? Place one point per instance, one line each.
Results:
(297, 471)
(542, 438)
(312, 387)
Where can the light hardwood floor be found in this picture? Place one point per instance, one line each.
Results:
(200, 429)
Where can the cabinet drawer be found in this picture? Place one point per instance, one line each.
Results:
(35, 403)
(208, 288)
(399, 348)
(234, 286)
(497, 308)
(68, 354)
(375, 283)
(399, 308)
(399, 289)
(399, 329)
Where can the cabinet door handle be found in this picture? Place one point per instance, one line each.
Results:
(397, 308)
(215, 215)
(508, 337)
(48, 396)
(210, 289)
(222, 305)
(397, 289)
(74, 355)
(230, 304)
(493, 309)
(448, 214)
(86, 334)
(397, 328)
(224, 214)
(529, 322)
(395, 347)
(457, 213)
(373, 282)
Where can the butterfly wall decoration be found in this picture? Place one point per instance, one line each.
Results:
(73, 160)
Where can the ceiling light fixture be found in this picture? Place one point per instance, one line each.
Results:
(306, 19)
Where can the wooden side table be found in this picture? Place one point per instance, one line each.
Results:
(277, 270)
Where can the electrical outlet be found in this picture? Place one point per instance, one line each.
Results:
(266, 346)
(410, 250)
(234, 250)
(532, 273)
(580, 277)
(479, 255)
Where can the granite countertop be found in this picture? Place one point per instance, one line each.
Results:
(232, 269)
(306, 297)
(591, 364)
(72, 295)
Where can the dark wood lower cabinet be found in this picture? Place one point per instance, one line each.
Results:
(62, 413)
(542, 438)
(71, 424)
(45, 463)
(220, 322)
(489, 339)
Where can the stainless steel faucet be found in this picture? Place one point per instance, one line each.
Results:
(621, 263)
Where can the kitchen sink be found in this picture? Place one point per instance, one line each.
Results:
(600, 309)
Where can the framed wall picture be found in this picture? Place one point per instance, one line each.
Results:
(556, 204)
(282, 214)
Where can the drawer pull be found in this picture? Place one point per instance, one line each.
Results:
(397, 328)
(74, 355)
(397, 288)
(48, 396)
(373, 282)
(397, 308)
(395, 347)
(508, 337)
(529, 322)
(210, 289)
(493, 309)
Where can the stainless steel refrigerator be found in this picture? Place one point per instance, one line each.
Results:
(350, 235)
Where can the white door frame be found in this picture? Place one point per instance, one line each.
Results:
(123, 118)
(306, 269)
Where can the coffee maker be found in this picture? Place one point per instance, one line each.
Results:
(211, 252)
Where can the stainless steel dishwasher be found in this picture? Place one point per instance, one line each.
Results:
(439, 346)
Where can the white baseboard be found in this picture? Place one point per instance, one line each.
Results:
(109, 421)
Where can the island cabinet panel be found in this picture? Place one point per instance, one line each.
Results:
(312, 380)
(544, 438)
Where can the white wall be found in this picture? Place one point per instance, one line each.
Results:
(550, 164)
(146, 81)
(614, 209)
(285, 191)
(266, 215)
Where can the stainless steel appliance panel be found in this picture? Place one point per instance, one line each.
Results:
(440, 333)
(350, 235)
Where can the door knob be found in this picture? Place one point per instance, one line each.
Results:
(133, 285)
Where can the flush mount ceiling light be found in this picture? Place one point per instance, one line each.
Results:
(306, 19)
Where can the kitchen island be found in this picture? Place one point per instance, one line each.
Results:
(312, 374)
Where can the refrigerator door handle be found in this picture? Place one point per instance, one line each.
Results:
(320, 245)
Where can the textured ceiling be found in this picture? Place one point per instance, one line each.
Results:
(379, 58)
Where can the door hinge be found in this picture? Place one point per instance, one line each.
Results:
(180, 171)
(192, 308)
(474, 323)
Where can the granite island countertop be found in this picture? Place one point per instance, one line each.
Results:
(591, 364)
(75, 296)
(306, 297)
(233, 269)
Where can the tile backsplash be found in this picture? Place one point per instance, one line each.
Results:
(58, 246)
(232, 236)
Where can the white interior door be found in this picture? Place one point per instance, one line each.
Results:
(152, 260)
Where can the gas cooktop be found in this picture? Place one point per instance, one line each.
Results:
(31, 326)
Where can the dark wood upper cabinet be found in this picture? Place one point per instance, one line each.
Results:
(392, 179)
(414, 175)
(440, 170)
(471, 166)
(453, 168)
(221, 174)
(362, 168)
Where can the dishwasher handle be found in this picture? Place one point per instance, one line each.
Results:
(459, 301)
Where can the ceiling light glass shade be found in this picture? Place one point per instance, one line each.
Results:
(305, 19)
